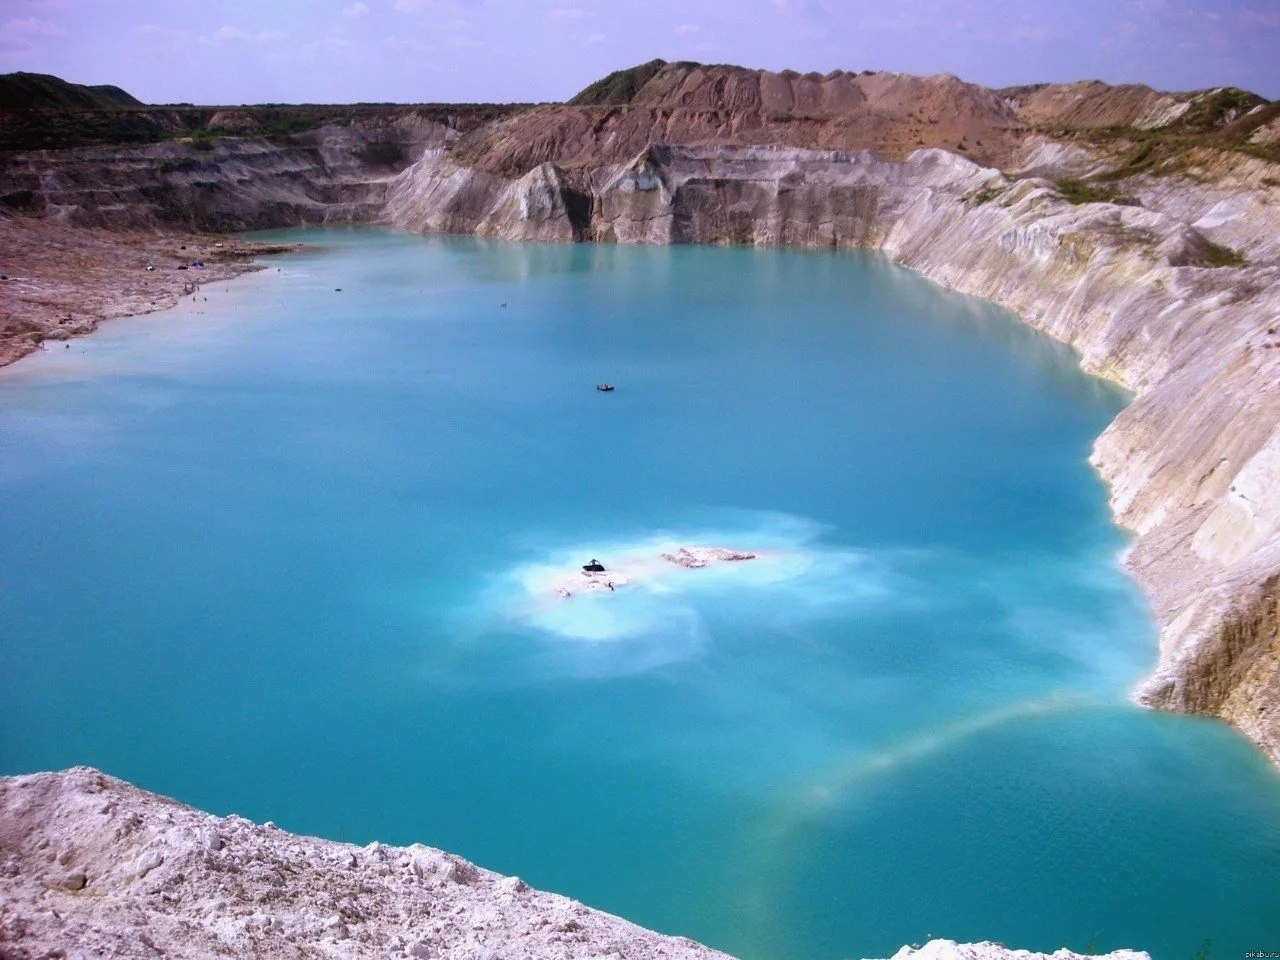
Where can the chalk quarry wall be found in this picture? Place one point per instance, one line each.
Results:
(1193, 462)
(333, 174)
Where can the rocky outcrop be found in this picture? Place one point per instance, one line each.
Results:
(597, 577)
(695, 558)
(589, 581)
(91, 866)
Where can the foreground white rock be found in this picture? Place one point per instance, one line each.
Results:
(93, 867)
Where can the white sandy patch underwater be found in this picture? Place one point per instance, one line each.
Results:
(665, 607)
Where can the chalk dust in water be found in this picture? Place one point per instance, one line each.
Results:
(289, 553)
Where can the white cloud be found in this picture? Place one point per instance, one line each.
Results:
(412, 44)
(357, 11)
(1268, 20)
(21, 37)
(594, 38)
(1026, 32)
(686, 29)
(326, 46)
(801, 8)
(226, 34)
(156, 30)
(164, 36)
(566, 13)
(446, 14)
(32, 27)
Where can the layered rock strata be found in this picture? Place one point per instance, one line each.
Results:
(93, 867)
(96, 232)
(336, 173)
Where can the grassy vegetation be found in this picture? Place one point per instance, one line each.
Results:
(1216, 255)
(1212, 111)
(619, 87)
(279, 123)
(1145, 156)
(201, 139)
(1091, 191)
(39, 91)
(1263, 151)
(985, 195)
(1223, 119)
(56, 129)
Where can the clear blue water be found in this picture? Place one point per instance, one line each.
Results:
(286, 552)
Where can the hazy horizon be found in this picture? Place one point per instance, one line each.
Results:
(346, 51)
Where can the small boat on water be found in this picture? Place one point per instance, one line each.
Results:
(604, 387)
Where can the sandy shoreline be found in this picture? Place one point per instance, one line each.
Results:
(62, 281)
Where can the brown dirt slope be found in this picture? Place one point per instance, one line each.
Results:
(694, 104)
(1087, 104)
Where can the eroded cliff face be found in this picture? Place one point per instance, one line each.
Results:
(336, 173)
(1138, 290)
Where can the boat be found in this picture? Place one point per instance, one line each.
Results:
(604, 387)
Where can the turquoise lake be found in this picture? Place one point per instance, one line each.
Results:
(287, 552)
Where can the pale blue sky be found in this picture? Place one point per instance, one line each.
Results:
(328, 51)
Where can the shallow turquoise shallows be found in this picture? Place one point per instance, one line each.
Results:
(289, 552)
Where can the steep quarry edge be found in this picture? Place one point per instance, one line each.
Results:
(1176, 297)
(92, 866)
